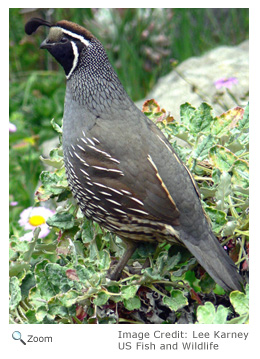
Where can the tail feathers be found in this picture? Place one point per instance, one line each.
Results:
(213, 258)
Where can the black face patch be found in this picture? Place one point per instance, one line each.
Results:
(63, 53)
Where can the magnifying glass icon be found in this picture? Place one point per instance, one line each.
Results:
(18, 336)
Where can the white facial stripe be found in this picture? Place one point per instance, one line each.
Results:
(76, 36)
(76, 57)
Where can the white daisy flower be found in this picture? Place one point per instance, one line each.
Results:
(33, 217)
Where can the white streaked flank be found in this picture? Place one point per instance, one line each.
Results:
(92, 143)
(119, 211)
(105, 193)
(137, 200)
(81, 148)
(114, 202)
(81, 159)
(85, 173)
(138, 211)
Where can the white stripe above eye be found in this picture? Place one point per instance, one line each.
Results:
(77, 36)
(76, 57)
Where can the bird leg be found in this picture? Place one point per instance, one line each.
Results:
(130, 249)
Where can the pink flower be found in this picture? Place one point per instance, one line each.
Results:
(226, 82)
(12, 127)
(13, 203)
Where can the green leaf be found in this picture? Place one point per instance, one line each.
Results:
(221, 315)
(206, 283)
(184, 268)
(55, 160)
(236, 146)
(51, 280)
(53, 184)
(84, 273)
(104, 260)
(129, 291)
(101, 298)
(176, 301)
(28, 254)
(240, 173)
(63, 247)
(242, 319)
(61, 304)
(208, 191)
(132, 303)
(56, 127)
(244, 122)
(201, 120)
(206, 314)
(223, 124)
(152, 273)
(222, 158)
(201, 151)
(41, 313)
(31, 316)
(35, 298)
(218, 218)
(16, 268)
(56, 309)
(223, 190)
(43, 283)
(187, 112)
(164, 264)
(58, 279)
(171, 262)
(15, 293)
(87, 233)
(27, 283)
(192, 280)
(229, 228)
(61, 220)
(240, 301)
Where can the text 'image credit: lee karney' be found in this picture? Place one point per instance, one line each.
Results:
(177, 340)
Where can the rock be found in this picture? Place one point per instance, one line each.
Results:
(193, 81)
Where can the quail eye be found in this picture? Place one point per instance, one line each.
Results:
(63, 40)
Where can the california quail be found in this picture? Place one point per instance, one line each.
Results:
(121, 169)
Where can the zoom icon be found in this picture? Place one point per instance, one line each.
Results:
(18, 336)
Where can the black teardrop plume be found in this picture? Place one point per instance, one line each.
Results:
(33, 24)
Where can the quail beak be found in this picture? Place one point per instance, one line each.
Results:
(45, 44)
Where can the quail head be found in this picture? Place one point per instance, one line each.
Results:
(121, 169)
